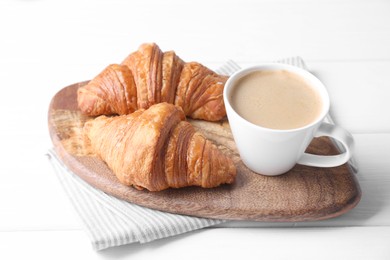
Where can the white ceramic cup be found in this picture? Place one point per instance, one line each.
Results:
(274, 152)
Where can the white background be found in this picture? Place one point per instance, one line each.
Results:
(47, 45)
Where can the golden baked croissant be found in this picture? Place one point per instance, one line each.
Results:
(156, 149)
(150, 76)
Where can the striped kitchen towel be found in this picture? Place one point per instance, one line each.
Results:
(109, 221)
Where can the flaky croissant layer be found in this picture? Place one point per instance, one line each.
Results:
(150, 76)
(156, 149)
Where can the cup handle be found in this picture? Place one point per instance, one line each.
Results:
(337, 133)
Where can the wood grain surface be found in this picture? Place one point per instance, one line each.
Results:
(303, 194)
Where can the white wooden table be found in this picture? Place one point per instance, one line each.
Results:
(46, 45)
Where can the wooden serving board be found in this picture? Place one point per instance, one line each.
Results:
(302, 194)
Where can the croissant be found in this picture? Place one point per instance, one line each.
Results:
(150, 76)
(157, 149)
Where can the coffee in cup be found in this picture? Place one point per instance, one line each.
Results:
(274, 111)
(276, 99)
